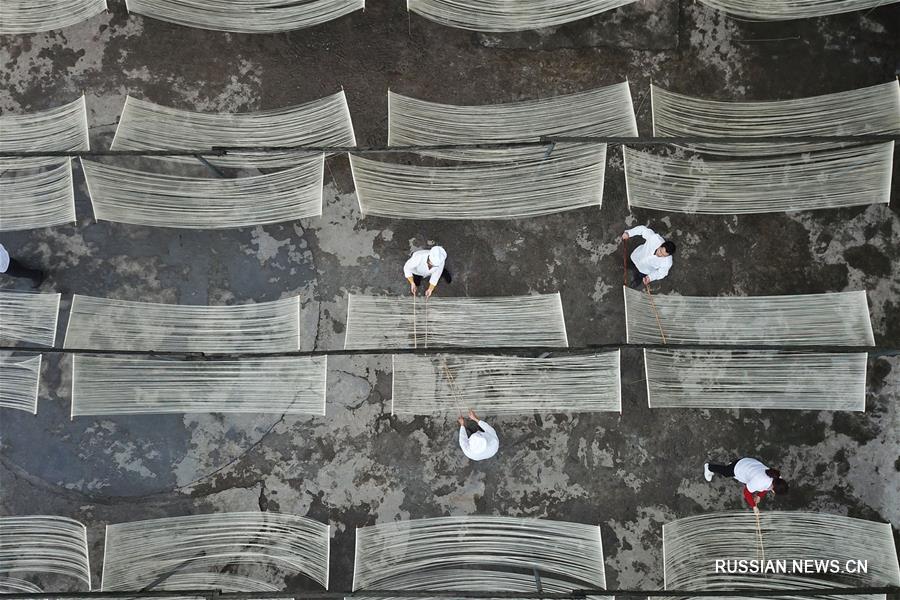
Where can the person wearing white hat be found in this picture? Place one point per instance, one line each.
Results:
(426, 263)
(478, 440)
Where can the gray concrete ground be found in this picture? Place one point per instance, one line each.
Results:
(630, 473)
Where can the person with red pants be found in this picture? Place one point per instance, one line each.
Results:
(758, 479)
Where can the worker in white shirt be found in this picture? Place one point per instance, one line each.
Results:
(13, 268)
(426, 263)
(477, 439)
(651, 260)
(758, 479)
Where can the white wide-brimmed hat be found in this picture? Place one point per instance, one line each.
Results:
(437, 256)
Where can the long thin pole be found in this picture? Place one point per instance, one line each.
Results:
(415, 333)
(872, 351)
(544, 141)
(577, 594)
(656, 314)
(762, 550)
(452, 384)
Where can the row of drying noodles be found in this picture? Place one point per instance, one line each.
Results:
(472, 183)
(109, 385)
(451, 383)
(289, 188)
(521, 182)
(271, 16)
(750, 178)
(499, 183)
(104, 385)
(580, 383)
(35, 191)
(373, 322)
(230, 552)
(794, 550)
(34, 16)
(753, 379)
(238, 16)
(498, 16)
(500, 554)
(47, 549)
(487, 553)
(258, 551)
(389, 322)
(26, 318)
(40, 193)
(513, 183)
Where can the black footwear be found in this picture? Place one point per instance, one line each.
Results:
(36, 283)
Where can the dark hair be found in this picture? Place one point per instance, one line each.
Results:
(669, 246)
(780, 486)
(773, 473)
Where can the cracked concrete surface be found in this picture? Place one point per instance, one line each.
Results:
(358, 465)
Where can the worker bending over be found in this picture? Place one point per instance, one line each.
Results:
(426, 263)
(477, 439)
(651, 260)
(758, 479)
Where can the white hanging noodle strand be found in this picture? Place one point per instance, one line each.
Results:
(463, 580)
(44, 544)
(758, 379)
(60, 129)
(30, 16)
(412, 555)
(32, 199)
(104, 385)
(225, 582)
(502, 15)
(606, 111)
(692, 545)
(108, 324)
(14, 585)
(323, 122)
(375, 322)
(828, 179)
(159, 200)
(873, 110)
(783, 10)
(19, 382)
(150, 552)
(28, 317)
(505, 384)
(571, 177)
(246, 16)
(838, 318)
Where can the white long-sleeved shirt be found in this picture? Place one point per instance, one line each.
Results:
(418, 265)
(4, 259)
(752, 473)
(493, 442)
(644, 256)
